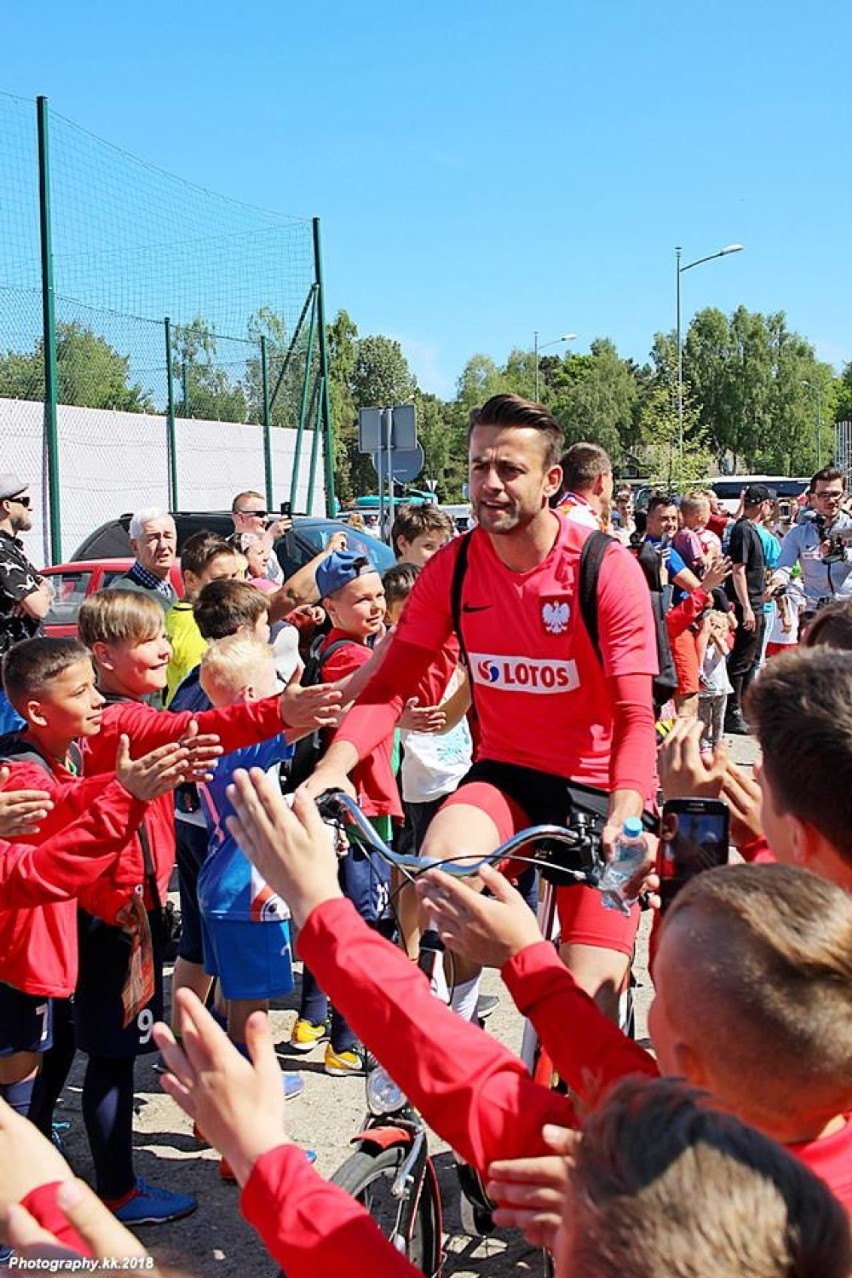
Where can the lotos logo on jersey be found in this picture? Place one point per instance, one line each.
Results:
(523, 674)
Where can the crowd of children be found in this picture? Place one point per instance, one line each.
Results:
(102, 795)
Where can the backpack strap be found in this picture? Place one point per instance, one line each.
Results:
(459, 572)
(591, 558)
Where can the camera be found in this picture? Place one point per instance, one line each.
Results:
(838, 541)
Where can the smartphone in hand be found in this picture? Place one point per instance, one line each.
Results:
(693, 837)
(287, 509)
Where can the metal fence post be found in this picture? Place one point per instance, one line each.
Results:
(267, 437)
(303, 409)
(51, 437)
(324, 399)
(171, 438)
(312, 476)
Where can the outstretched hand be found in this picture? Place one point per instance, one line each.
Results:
(487, 929)
(417, 718)
(237, 1104)
(203, 750)
(152, 774)
(290, 847)
(304, 709)
(21, 810)
(531, 1193)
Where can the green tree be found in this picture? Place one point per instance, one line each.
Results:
(90, 372)
(341, 338)
(594, 398)
(203, 387)
(444, 444)
(666, 463)
(480, 379)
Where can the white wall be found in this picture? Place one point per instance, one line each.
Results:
(111, 463)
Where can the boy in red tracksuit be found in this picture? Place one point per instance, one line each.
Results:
(39, 886)
(353, 595)
(112, 1017)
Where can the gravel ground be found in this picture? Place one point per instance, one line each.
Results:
(216, 1240)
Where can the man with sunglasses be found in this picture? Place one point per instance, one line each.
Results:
(25, 596)
(249, 513)
(826, 574)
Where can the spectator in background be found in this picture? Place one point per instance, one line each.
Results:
(205, 557)
(694, 542)
(153, 540)
(255, 549)
(746, 589)
(586, 492)
(718, 520)
(25, 596)
(249, 513)
(624, 523)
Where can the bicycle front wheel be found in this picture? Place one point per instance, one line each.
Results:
(413, 1225)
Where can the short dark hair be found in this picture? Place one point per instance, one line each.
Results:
(413, 521)
(657, 500)
(200, 549)
(831, 627)
(399, 581)
(825, 476)
(799, 710)
(581, 466)
(222, 607)
(512, 410)
(29, 665)
(664, 1183)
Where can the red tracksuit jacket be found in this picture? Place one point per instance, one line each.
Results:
(42, 943)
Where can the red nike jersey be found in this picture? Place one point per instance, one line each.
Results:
(541, 693)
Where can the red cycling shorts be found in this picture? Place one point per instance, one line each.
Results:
(583, 918)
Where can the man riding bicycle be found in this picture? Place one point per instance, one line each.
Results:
(551, 707)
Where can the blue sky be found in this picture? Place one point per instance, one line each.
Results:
(486, 170)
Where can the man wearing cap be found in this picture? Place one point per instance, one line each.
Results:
(25, 596)
(746, 587)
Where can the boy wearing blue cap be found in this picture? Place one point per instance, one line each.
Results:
(353, 595)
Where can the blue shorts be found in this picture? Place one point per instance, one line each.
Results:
(192, 843)
(252, 960)
(98, 1011)
(26, 1021)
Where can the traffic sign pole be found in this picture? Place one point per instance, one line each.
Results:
(388, 420)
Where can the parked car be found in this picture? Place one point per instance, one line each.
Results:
(105, 554)
(74, 581)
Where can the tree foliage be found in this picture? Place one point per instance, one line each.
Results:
(90, 372)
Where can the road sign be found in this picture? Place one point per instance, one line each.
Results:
(372, 428)
(406, 463)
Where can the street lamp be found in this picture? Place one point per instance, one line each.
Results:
(679, 270)
(818, 392)
(566, 337)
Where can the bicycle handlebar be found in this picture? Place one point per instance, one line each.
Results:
(582, 841)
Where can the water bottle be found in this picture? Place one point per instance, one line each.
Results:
(631, 853)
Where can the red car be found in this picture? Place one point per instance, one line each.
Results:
(75, 581)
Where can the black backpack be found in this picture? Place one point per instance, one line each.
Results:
(310, 749)
(591, 557)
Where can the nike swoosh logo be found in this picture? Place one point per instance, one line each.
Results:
(475, 607)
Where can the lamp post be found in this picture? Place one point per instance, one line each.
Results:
(818, 393)
(679, 270)
(566, 337)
